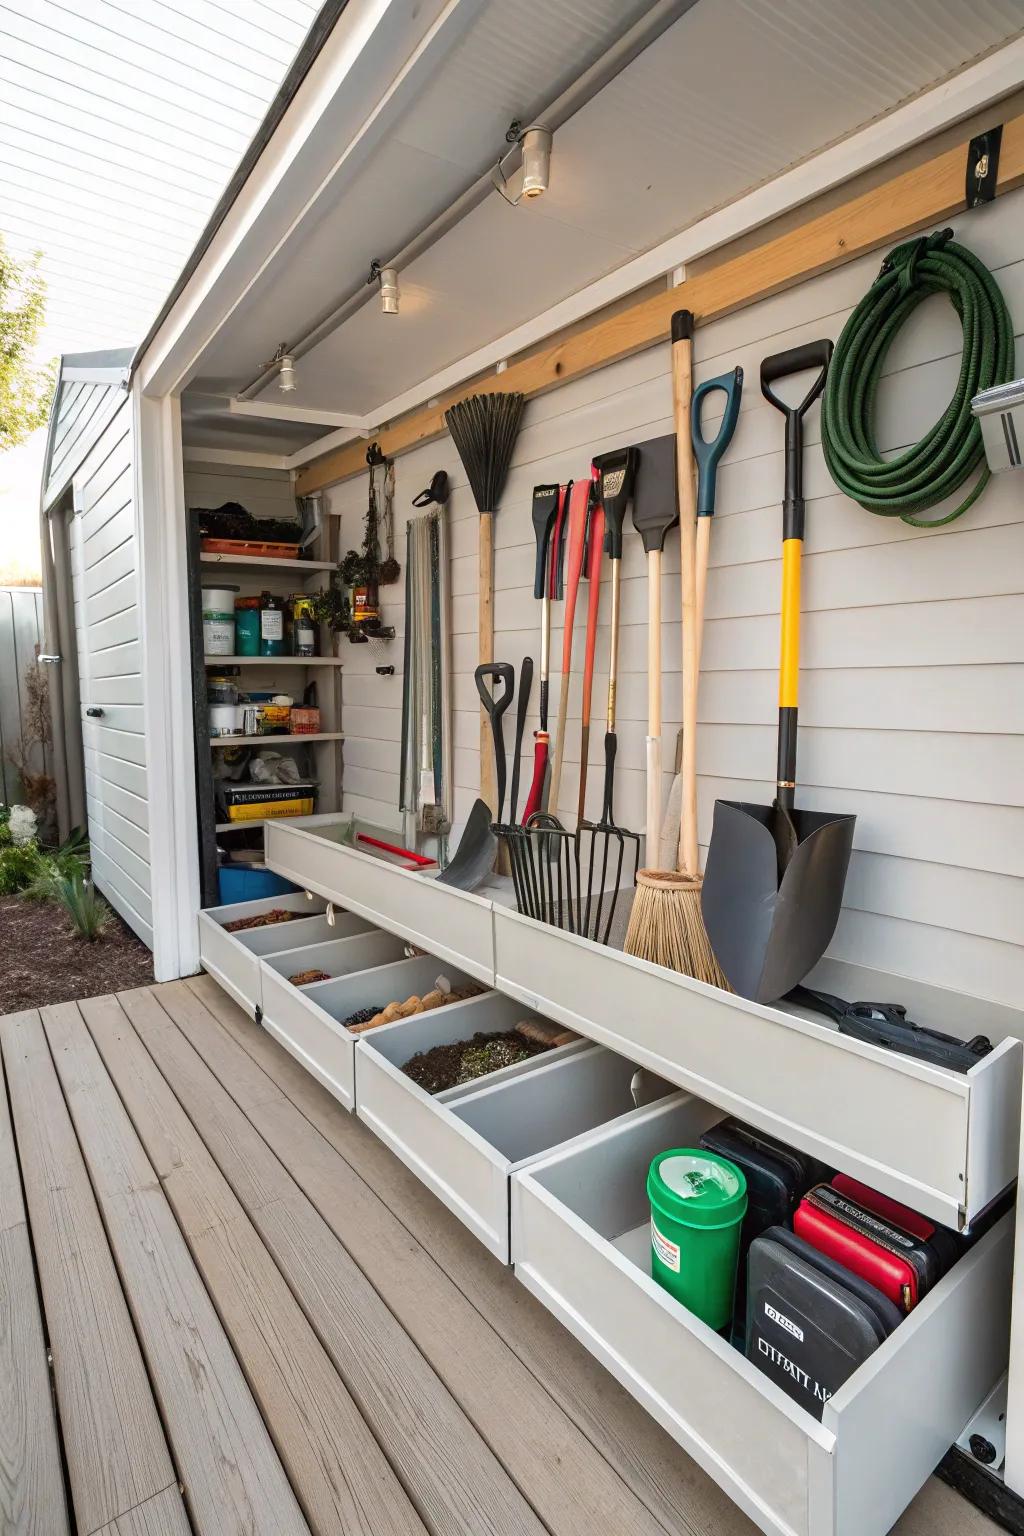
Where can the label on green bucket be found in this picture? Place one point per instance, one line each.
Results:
(665, 1249)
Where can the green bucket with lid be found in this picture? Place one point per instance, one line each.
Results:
(698, 1202)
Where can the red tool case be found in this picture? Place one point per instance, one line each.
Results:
(889, 1246)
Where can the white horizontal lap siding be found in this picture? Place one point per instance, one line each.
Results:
(106, 590)
(263, 492)
(912, 690)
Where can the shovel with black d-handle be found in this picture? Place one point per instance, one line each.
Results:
(478, 847)
(773, 886)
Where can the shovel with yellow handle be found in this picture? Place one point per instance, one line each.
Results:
(773, 885)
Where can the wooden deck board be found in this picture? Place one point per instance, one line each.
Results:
(163, 1515)
(647, 1459)
(114, 1444)
(234, 1482)
(12, 1204)
(338, 1472)
(32, 1501)
(457, 1484)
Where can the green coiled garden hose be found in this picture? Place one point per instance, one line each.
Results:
(951, 450)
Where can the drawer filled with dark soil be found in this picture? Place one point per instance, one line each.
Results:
(463, 1061)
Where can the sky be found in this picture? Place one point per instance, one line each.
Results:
(121, 121)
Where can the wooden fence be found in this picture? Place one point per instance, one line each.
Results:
(21, 627)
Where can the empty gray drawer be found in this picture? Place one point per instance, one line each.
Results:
(580, 1224)
(465, 1144)
(307, 1020)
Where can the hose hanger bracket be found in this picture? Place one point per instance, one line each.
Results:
(983, 166)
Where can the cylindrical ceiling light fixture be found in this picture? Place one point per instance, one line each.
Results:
(389, 290)
(536, 161)
(286, 373)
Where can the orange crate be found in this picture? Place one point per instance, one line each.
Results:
(249, 547)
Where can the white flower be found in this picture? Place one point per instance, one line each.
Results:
(23, 823)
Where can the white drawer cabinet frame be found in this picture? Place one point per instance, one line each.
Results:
(880, 1436)
(233, 959)
(452, 925)
(464, 1145)
(945, 1143)
(304, 1019)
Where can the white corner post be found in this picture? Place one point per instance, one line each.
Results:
(1013, 1471)
(167, 683)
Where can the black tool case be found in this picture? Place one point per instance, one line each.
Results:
(810, 1323)
(777, 1178)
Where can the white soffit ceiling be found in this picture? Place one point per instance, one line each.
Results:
(734, 93)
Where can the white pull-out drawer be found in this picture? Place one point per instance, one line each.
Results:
(580, 1225)
(945, 1143)
(465, 1144)
(307, 1020)
(454, 925)
(233, 959)
(340, 956)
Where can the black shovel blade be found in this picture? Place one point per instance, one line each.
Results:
(475, 855)
(768, 934)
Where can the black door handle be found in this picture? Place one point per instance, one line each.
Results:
(94, 712)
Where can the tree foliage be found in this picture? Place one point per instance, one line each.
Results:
(25, 386)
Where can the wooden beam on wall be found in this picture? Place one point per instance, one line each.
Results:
(908, 202)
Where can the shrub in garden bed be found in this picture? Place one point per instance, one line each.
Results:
(50, 874)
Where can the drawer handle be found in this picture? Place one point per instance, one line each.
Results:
(94, 712)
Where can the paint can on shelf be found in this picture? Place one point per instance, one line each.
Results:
(219, 621)
(225, 720)
(247, 626)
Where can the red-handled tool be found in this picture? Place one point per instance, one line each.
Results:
(576, 541)
(595, 549)
(547, 500)
(402, 853)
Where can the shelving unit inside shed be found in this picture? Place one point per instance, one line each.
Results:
(319, 754)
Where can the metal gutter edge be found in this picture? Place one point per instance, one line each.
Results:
(326, 19)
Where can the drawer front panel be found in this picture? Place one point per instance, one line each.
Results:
(323, 1046)
(453, 925)
(901, 1126)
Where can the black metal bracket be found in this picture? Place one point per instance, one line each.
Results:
(374, 455)
(983, 166)
(971, 1478)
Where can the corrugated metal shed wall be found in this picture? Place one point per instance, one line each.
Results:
(912, 705)
(21, 619)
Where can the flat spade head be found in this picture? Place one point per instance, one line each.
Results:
(475, 855)
(766, 933)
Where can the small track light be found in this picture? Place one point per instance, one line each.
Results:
(286, 373)
(533, 174)
(389, 290)
(387, 278)
(536, 161)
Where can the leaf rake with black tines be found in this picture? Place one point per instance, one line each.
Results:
(484, 429)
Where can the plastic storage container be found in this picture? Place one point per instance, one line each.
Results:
(698, 1202)
(236, 883)
(247, 626)
(271, 624)
(219, 621)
